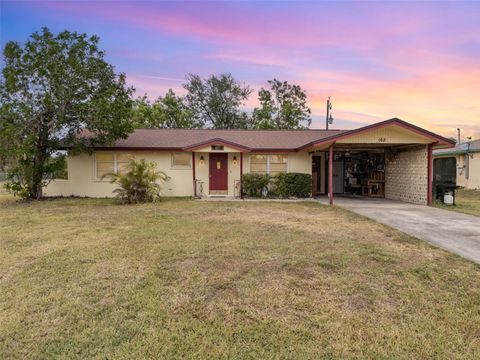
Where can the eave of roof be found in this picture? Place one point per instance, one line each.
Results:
(449, 152)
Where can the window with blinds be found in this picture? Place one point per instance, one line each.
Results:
(122, 162)
(105, 164)
(268, 164)
(181, 160)
(258, 164)
(111, 163)
(277, 164)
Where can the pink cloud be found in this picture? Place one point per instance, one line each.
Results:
(154, 86)
(376, 60)
(227, 23)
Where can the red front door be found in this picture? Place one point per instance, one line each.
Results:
(218, 171)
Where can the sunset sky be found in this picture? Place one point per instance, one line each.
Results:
(416, 61)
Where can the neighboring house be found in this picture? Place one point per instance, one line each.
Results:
(464, 159)
(391, 159)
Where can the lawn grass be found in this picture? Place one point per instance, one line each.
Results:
(467, 201)
(85, 278)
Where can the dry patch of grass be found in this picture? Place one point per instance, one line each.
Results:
(87, 278)
(467, 201)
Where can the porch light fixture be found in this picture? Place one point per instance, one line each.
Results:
(202, 160)
(234, 160)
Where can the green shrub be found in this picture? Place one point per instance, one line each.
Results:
(278, 186)
(292, 184)
(281, 185)
(253, 184)
(140, 183)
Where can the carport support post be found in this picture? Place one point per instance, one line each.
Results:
(430, 174)
(241, 175)
(330, 173)
(193, 173)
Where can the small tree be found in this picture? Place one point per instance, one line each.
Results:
(140, 182)
(169, 111)
(216, 101)
(282, 107)
(52, 88)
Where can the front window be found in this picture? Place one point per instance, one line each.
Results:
(105, 164)
(258, 164)
(122, 162)
(277, 164)
(181, 160)
(111, 163)
(268, 164)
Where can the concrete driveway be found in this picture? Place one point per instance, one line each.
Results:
(452, 231)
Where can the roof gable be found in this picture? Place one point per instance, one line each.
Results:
(393, 131)
(216, 141)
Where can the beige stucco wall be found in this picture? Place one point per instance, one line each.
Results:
(82, 179)
(406, 176)
(473, 180)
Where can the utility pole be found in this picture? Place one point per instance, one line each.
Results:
(329, 118)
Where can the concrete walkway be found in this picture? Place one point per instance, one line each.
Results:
(452, 231)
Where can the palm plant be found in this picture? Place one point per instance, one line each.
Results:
(139, 183)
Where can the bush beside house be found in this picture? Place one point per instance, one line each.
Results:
(254, 185)
(278, 186)
(292, 184)
(139, 183)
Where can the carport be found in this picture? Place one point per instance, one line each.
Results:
(391, 159)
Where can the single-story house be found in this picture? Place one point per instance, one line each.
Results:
(391, 159)
(462, 162)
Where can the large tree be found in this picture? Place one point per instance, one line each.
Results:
(52, 88)
(216, 101)
(284, 106)
(169, 111)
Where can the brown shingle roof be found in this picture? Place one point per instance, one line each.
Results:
(252, 139)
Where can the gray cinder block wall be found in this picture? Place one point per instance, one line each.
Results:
(406, 175)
